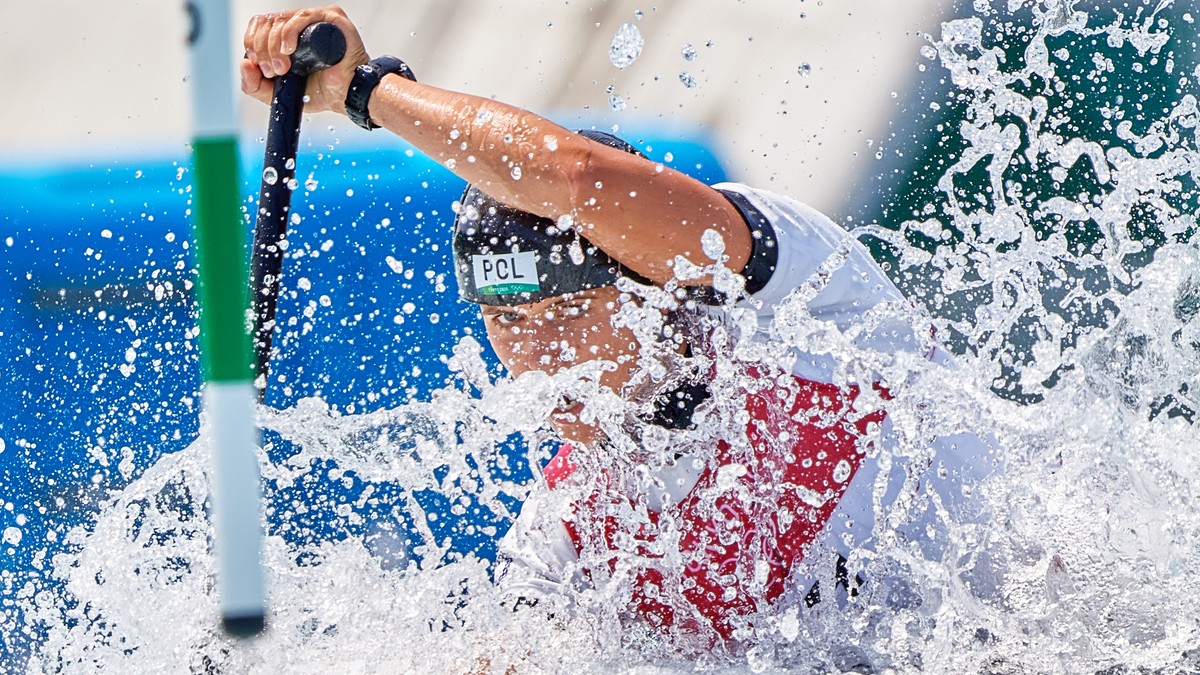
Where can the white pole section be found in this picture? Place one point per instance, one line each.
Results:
(229, 396)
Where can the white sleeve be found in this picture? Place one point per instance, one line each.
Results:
(812, 256)
(536, 558)
(804, 241)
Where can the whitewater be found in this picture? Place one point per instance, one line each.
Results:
(1058, 259)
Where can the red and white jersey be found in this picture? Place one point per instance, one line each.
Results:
(723, 538)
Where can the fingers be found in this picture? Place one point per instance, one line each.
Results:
(290, 31)
(254, 84)
(256, 44)
(271, 39)
(263, 41)
(280, 63)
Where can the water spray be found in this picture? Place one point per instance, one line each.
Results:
(320, 46)
(229, 395)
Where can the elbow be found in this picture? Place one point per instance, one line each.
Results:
(574, 173)
(548, 173)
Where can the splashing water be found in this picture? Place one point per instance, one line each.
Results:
(1057, 253)
(626, 46)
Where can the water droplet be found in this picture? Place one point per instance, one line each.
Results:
(687, 80)
(270, 175)
(290, 163)
(575, 251)
(516, 172)
(713, 244)
(689, 52)
(310, 183)
(805, 69)
(616, 102)
(928, 52)
(842, 471)
(626, 46)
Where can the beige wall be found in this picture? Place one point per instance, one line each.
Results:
(108, 76)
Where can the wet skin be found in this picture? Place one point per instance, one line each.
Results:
(561, 332)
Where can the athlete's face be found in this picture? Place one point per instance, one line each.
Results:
(561, 332)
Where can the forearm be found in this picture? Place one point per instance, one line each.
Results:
(517, 157)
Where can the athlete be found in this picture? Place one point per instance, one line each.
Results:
(700, 468)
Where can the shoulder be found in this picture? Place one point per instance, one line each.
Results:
(805, 242)
(782, 212)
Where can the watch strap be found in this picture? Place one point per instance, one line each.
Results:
(366, 78)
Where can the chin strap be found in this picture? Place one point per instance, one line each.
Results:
(674, 409)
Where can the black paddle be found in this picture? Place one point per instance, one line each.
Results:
(320, 46)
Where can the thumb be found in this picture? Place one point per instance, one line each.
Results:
(254, 84)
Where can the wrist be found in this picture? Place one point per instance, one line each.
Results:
(337, 105)
(367, 78)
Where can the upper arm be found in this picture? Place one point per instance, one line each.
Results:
(641, 213)
(645, 214)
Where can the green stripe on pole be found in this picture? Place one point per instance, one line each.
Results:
(225, 343)
(221, 251)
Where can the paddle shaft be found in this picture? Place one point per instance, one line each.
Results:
(320, 46)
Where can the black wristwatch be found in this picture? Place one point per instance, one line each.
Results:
(366, 78)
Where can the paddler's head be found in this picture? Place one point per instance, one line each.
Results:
(547, 295)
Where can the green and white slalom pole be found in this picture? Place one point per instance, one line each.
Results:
(229, 396)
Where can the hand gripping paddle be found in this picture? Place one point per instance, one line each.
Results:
(320, 46)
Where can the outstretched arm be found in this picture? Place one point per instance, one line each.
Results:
(640, 213)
